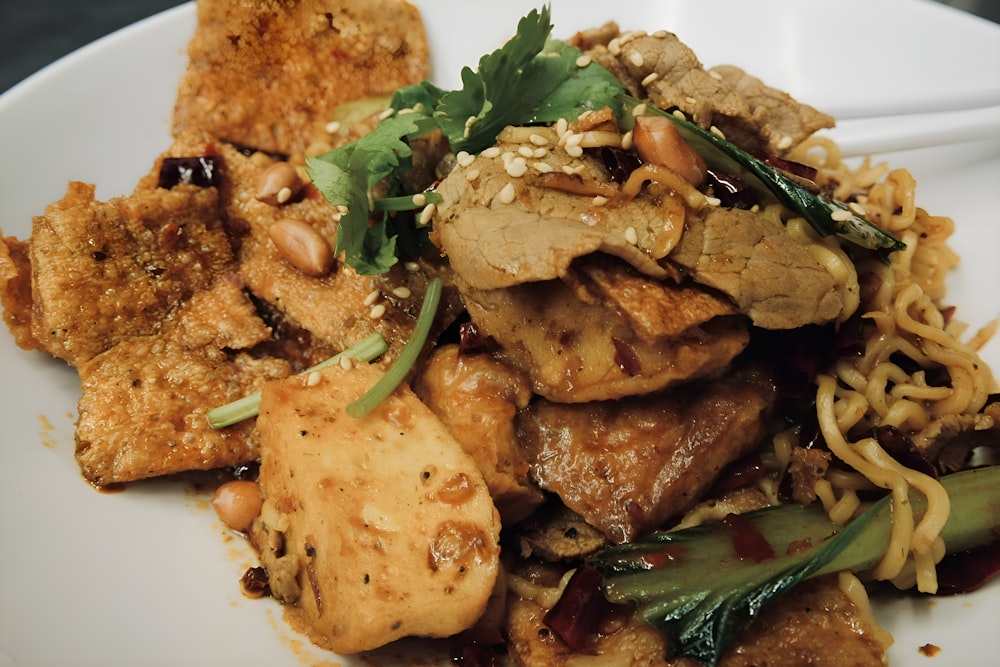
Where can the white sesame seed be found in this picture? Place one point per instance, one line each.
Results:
(568, 169)
(517, 167)
(472, 175)
(599, 200)
(562, 125)
(385, 113)
(639, 109)
(715, 75)
(377, 311)
(574, 151)
(402, 292)
(333, 127)
(713, 201)
(526, 151)
(464, 158)
(539, 152)
(541, 167)
(858, 208)
(538, 140)
(650, 78)
(841, 215)
(491, 152)
(579, 169)
(615, 47)
(627, 140)
(313, 379)
(574, 139)
(372, 297)
(660, 34)
(427, 214)
(631, 236)
(583, 60)
(419, 199)
(412, 267)
(636, 59)
(507, 194)
(717, 132)
(690, 101)
(284, 194)
(784, 143)
(346, 362)
(677, 113)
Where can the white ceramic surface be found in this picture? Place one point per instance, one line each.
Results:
(148, 576)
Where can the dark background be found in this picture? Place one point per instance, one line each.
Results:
(33, 33)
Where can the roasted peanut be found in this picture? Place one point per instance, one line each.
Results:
(278, 184)
(657, 140)
(302, 246)
(238, 503)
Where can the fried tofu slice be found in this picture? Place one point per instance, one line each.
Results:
(268, 73)
(143, 403)
(105, 271)
(375, 528)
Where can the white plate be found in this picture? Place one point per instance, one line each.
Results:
(148, 576)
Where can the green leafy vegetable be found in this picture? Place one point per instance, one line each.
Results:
(411, 351)
(691, 586)
(247, 407)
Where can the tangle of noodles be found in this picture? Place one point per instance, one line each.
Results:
(901, 299)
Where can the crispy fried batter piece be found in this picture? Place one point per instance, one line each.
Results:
(268, 73)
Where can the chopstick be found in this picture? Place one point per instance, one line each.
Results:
(884, 134)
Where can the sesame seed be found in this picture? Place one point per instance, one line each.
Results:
(615, 47)
(507, 194)
(639, 109)
(526, 151)
(472, 175)
(402, 292)
(636, 59)
(717, 132)
(539, 152)
(784, 143)
(715, 75)
(464, 158)
(372, 297)
(412, 267)
(377, 311)
(677, 113)
(574, 139)
(385, 113)
(346, 362)
(660, 34)
(599, 200)
(517, 167)
(583, 60)
(333, 127)
(419, 199)
(562, 125)
(690, 101)
(631, 236)
(627, 140)
(313, 379)
(858, 208)
(841, 215)
(713, 201)
(491, 152)
(427, 214)
(568, 169)
(541, 167)
(538, 140)
(284, 194)
(650, 78)
(574, 151)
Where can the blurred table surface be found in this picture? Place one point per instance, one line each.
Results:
(34, 34)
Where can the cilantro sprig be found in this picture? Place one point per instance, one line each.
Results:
(530, 79)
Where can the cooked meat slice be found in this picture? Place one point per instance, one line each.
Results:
(492, 242)
(815, 623)
(951, 440)
(335, 308)
(269, 74)
(653, 309)
(105, 271)
(384, 523)
(575, 351)
(750, 113)
(143, 404)
(476, 398)
(781, 279)
(15, 290)
(628, 466)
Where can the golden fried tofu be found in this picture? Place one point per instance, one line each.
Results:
(142, 411)
(268, 74)
(374, 528)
